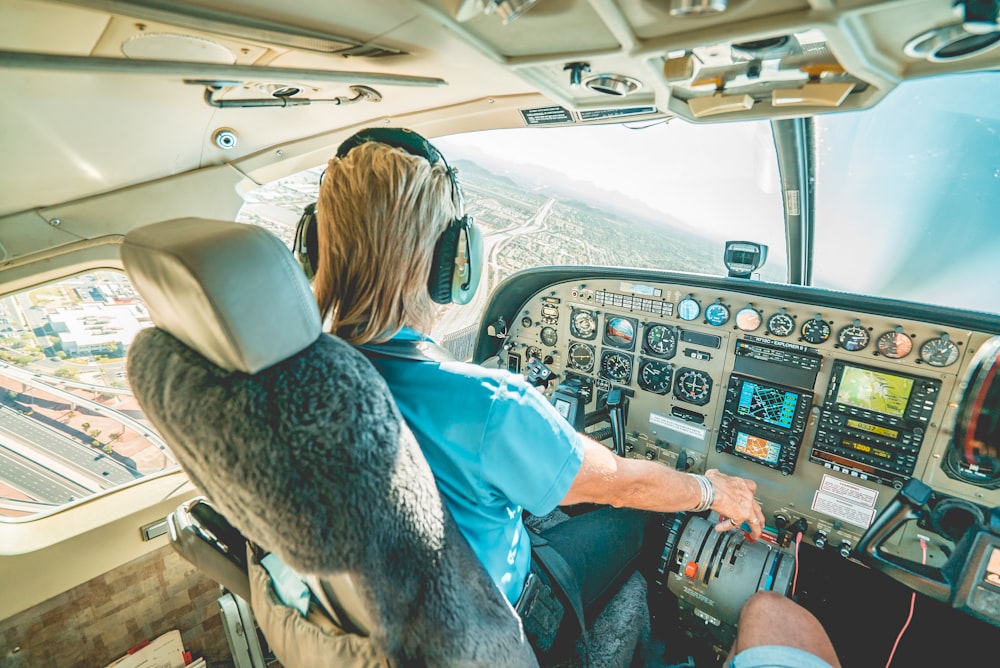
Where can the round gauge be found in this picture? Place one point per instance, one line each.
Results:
(693, 386)
(939, 352)
(655, 376)
(853, 337)
(532, 353)
(616, 366)
(688, 309)
(780, 324)
(894, 345)
(548, 336)
(620, 332)
(717, 314)
(581, 356)
(583, 325)
(661, 340)
(815, 330)
(748, 319)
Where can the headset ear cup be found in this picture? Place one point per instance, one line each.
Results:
(466, 277)
(439, 282)
(307, 241)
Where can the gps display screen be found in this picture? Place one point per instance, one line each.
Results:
(767, 404)
(874, 390)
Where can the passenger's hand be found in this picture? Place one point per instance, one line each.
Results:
(734, 500)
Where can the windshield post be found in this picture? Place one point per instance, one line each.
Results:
(793, 141)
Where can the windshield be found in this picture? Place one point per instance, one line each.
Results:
(907, 194)
(661, 196)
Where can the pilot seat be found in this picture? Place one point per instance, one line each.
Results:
(297, 444)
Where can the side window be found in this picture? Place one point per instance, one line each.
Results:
(69, 425)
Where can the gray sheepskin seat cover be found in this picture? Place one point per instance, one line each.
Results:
(310, 459)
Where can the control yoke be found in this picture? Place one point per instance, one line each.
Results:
(969, 581)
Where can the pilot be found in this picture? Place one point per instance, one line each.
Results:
(393, 245)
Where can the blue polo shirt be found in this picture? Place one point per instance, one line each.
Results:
(495, 445)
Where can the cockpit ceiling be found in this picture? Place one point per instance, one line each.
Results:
(131, 105)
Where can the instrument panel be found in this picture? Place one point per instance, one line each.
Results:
(830, 406)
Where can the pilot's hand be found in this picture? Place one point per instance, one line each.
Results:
(734, 500)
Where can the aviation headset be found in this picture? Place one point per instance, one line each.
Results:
(457, 262)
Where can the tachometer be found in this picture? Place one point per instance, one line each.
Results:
(581, 356)
(939, 352)
(582, 324)
(655, 376)
(661, 340)
(895, 344)
(688, 309)
(853, 337)
(780, 324)
(815, 330)
(616, 366)
(693, 386)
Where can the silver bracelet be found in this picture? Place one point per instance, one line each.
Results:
(707, 493)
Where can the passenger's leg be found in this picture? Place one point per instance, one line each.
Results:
(601, 548)
(769, 618)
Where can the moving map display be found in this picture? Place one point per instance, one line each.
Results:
(767, 404)
(874, 390)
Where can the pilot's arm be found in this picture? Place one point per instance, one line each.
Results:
(607, 479)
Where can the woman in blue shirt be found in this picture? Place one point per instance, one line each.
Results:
(393, 245)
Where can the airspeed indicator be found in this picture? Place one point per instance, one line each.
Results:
(661, 340)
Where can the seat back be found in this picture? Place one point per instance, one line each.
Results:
(295, 439)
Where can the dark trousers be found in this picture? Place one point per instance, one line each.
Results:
(601, 549)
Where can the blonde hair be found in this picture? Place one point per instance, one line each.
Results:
(380, 213)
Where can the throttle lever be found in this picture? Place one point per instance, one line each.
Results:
(616, 415)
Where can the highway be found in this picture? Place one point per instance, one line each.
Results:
(89, 460)
(37, 482)
(460, 317)
(48, 384)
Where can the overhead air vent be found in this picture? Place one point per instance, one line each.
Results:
(617, 85)
(951, 42)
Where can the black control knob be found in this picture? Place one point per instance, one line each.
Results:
(845, 548)
(820, 539)
(650, 455)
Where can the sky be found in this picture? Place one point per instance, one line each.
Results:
(720, 179)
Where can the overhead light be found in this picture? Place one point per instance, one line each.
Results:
(507, 10)
(686, 8)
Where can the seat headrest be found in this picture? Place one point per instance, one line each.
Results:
(232, 292)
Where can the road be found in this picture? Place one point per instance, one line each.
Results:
(38, 381)
(91, 461)
(460, 317)
(35, 481)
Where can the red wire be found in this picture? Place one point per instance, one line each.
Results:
(795, 577)
(913, 600)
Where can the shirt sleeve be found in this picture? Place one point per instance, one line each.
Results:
(530, 453)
